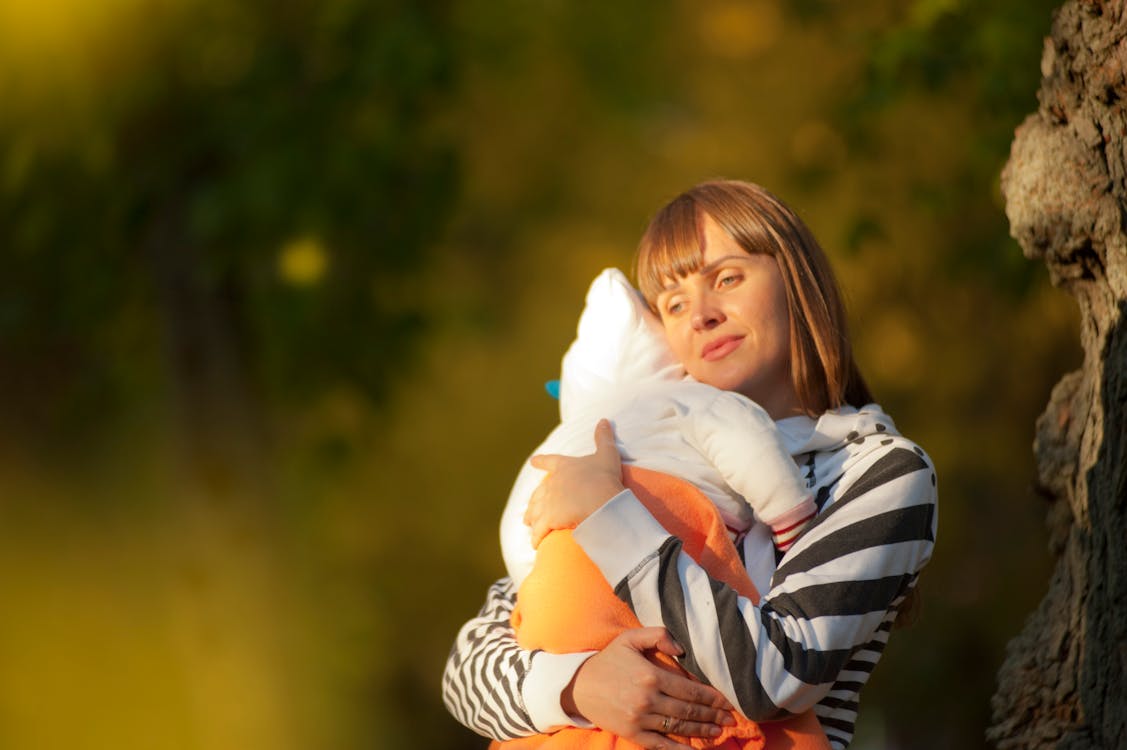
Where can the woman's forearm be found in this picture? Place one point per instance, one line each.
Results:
(486, 669)
(496, 688)
(832, 597)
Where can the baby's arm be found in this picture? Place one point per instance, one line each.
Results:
(741, 440)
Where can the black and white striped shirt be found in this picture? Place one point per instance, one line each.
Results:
(812, 641)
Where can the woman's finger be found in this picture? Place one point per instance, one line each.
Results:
(539, 528)
(604, 439)
(667, 725)
(674, 716)
(533, 510)
(680, 710)
(690, 692)
(546, 461)
(532, 518)
(653, 636)
(535, 518)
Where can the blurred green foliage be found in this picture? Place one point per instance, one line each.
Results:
(241, 138)
(283, 283)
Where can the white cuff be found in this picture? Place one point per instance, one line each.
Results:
(620, 536)
(545, 681)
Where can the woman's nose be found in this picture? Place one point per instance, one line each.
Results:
(707, 316)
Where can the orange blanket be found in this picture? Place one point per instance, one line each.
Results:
(566, 605)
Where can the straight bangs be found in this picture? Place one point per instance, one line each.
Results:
(671, 248)
(673, 245)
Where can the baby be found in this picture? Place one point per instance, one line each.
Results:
(621, 368)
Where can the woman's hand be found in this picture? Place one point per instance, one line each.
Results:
(575, 487)
(622, 692)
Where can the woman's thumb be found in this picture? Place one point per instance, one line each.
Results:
(654, 638)
(604, 436)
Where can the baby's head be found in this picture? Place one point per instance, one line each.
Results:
(619, 344)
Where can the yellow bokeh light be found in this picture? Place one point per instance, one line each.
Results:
(303, 261)
(46, 38)
(739, 30)
(66, 54)
(45, 29)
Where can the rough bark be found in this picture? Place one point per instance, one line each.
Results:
(1064, 681)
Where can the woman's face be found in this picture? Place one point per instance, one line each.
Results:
(728, 323)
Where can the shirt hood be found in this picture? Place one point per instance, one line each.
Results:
(834, 429)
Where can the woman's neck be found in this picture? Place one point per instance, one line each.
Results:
(780, 404)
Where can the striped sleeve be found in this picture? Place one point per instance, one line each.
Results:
(830, 599)
(486, 669)
(498, 689)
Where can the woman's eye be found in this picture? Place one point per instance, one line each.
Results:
(728, 279)
(674, 308)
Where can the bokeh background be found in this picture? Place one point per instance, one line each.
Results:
(280, 285)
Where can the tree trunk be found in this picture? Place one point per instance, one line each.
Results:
(1064, 681)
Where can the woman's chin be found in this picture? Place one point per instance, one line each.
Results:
(729, 382)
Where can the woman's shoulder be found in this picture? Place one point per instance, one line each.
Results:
(859, 449)
(881, 445)
(885, 456)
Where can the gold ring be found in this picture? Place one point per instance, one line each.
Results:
(665, 724)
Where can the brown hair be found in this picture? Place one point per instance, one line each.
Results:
(822, 367)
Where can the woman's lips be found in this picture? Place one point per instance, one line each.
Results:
(720, 348)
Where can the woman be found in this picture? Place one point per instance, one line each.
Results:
(748, 304)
